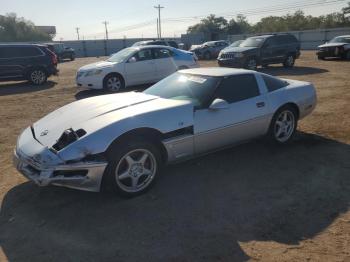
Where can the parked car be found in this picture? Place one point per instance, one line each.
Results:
(62, 51)
(337, 47)
(134, 66)
(34, 63)
(262, 50)
(122, 140)
(209, 50)
(235, 44)
(157, 42)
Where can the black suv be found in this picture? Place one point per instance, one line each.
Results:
(62, 51)
(262, 50)
(27, 62)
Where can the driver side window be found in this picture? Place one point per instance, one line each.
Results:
(237, 88)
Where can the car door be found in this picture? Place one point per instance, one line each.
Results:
(268, 50)
(140, 68)
(11, 64)
(244, 118)
(164, 62)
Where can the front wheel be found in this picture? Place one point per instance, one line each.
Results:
(207, 56)
(133, 168)
(283, 125)
(37, 76)
(113, 83)
(251, 64)
(72, 57)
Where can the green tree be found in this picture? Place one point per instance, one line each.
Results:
(14, 29)
(211, 24)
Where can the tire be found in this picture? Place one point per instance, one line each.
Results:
(207, 55)
(289, 61)
(37, 76)
(283, 125)
(113, 83)
(321, 58)
(72, 57)
(251, 63)
(347, 55)
(132, 168)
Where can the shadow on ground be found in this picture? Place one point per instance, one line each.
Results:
(198, 210)
(97, 92)
(295, 71)
(13, 88)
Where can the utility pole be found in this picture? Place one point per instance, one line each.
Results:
(77, 29)
(106, 23)
(157, 28)
(159, 21)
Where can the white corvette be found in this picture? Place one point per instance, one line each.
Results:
(122, 140)
(135, 66)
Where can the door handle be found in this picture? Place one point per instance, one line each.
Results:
(260, 104)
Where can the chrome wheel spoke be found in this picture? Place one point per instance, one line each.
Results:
(143, 159)
(129, 160)
(124, 175)
(134, 182)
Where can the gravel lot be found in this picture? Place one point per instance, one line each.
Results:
(255, 201)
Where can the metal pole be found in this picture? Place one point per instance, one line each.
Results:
(159, 21)
(106, 23)
(77, 29)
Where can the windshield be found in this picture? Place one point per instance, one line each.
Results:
(179, 86)
(209, 44)
(340, 39)
(253, 42)
(237, 43)
(121, 55)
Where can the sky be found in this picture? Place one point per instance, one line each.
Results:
(137, 18)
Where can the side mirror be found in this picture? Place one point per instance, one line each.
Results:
(132, 60)
(218, 104)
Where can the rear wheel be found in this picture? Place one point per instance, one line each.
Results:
(133, 168)
(283, 125)
(37, 76)
(72, 57)
(113, 83)
(289, 61)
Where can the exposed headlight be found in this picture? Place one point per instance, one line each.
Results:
(93, 72)
(239, 55)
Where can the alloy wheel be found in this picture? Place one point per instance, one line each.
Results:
(136, 170)
(114, 84)
(37, 77)
(251, 64)
(284, 126)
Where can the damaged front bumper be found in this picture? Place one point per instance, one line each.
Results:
(84, 175)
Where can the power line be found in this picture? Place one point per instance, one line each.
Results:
(106, 23)
(159, 21)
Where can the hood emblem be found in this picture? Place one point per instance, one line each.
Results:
(44, 133)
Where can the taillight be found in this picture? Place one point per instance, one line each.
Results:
(53, 56)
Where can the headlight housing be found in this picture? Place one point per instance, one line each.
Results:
(93, 72)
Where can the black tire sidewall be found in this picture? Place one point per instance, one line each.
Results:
(116, 153)
(271, 132)
(285, 63)
(247, 63)
(207, 55)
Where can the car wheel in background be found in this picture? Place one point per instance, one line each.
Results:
(289, 61)
(113, 83)
(347, 55)
(283, 125)
(251, 63)
(72, 57)
(37, 76)
(321, 58)
(207, 55)
(133, 167)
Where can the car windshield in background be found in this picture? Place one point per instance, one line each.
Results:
(253, 42)
(180, 86)
(237, 43)
(121, 55)
(340, 40)
(209, 44)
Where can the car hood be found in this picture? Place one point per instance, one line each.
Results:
(100, 64)
(238, 49)
(75, 115)
(332, 45)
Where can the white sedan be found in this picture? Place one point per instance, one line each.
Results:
(121, 140)
(135, 66)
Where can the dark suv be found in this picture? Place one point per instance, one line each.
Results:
(62, 51)
(27, 62)
(262, 50)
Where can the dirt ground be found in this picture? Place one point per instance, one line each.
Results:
(252, 202)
